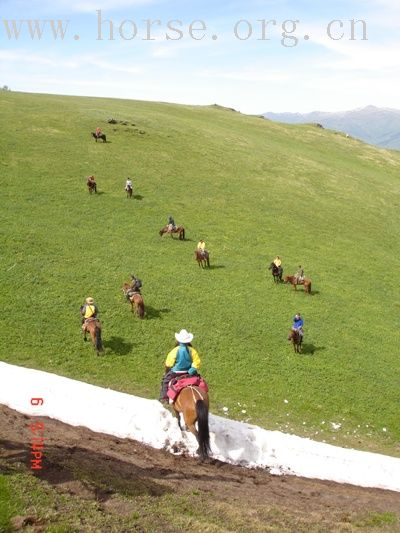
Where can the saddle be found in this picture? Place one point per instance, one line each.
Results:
(177, 384)
(91, 319)
(131, 293)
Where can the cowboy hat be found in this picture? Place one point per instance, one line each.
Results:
(184, 336)
(89, 300)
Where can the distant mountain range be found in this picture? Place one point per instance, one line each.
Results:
(374, 125)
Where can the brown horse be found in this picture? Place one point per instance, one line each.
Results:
(180, 230)
(293, 281)
(276, 272)
(135, 298)
(202, 258)
(193, 403)
(93, 326)
(91, 185)
(296, 339)
(129, 192)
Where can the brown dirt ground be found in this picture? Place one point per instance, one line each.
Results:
(135, 469)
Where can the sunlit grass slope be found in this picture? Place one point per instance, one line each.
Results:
(252, 189)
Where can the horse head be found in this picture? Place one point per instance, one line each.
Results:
(125, 288)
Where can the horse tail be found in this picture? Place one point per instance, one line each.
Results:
(99, 343)
(203, 429)
(141, 309)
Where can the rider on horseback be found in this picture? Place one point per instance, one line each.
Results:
(298, 323)
(91, 182)
(277, 261)
(136, 284)
(128, 185)
(88, 310)
(201, 247)
(99, 133)
(299, 276)
(171, 224)
(183, 359)
(135, 287)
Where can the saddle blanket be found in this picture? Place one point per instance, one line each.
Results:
(177, 384)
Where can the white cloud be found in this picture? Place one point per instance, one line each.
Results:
(75, 62)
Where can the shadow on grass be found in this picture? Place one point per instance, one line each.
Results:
(215, 267)
(151, 312)
(137, 197)
(310, 349)
(118, 346)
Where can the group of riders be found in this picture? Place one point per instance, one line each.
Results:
(91, 181)
(299, 274)
(183, 359)
(92, 184)
(299, 279)
(201, 245)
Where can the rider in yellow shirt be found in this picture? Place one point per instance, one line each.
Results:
(277, 261)
(201, 246)
(183, 359)
(88, 310)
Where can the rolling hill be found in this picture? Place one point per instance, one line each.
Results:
(252, 189)
(374, 125)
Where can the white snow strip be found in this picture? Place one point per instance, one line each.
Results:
(126, 416)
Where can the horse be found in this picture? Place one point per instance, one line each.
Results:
(296, 339)
(129, 192)
(193, 403)
(93, 326)
(180, 230)
(135, 298)
(202, 258)
(92, 186)
(101, 136)
(276, 272)
(293, 281)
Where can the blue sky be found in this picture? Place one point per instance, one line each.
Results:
(254, 70)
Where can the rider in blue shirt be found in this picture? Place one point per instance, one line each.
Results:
(298, 323)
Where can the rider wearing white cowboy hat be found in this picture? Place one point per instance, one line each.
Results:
(183, 359)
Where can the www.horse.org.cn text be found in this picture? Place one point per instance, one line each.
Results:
(287, 32)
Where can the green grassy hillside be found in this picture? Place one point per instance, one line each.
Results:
(252, 189)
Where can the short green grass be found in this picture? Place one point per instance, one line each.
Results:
(252, 189)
